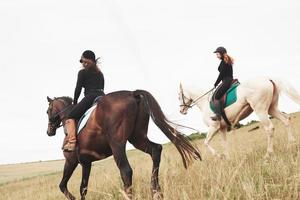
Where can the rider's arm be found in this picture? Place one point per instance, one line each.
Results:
(221, 69)
(79, 85)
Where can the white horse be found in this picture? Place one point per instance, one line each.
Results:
(259, 95)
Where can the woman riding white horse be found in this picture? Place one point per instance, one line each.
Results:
(258, 95)
(226, 76)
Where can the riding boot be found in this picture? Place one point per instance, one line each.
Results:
(71, 137)
(218, 111)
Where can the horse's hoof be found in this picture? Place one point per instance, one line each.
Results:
(157, 195)
(72, 197)
(269, 157)
(127, 194)
(69, 196)
(220, 156)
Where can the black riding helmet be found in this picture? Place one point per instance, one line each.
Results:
(88, 54)
(220, 50)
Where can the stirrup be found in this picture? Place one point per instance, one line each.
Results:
(216, 118)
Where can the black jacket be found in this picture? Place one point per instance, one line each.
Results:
(90, 80)
(225, 72)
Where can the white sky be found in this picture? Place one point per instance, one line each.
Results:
(150, 45)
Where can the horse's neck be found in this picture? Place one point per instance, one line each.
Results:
(66, 108)
(202, 102)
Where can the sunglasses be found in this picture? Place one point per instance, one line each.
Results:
(84, 60)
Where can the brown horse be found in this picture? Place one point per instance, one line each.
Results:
(118, 117)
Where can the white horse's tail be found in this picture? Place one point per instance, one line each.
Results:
(287, 89)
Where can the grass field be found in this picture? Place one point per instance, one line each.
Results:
(245, 175)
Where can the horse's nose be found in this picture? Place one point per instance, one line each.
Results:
(50, 133)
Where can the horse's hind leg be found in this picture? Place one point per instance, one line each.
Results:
(145, 145)
(86, 169)
(285, 119)
(140, 141)
(124, 167)
(70, 165)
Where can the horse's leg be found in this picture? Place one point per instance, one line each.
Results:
(86, 169)
(269, 128)
(145, 145)
(70, 165)
(140, 141)
(211, 133)
(124, 167)
(225, 143)
(285, 119)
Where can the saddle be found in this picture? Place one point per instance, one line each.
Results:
(84, 118)
(228, 98)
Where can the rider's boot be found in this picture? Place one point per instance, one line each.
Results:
(71, 137)
(218, 111)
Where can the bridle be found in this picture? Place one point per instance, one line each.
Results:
(55, 121)
(190, 103)
(185, 104)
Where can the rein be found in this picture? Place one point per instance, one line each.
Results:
(60, 112)
(192, 102)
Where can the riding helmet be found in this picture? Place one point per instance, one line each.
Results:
(88, 54)
(220, 50)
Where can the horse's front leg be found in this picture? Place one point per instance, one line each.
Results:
(86, 169)
(225, 143)
(211, 133)
(269, 128)
(70, 165)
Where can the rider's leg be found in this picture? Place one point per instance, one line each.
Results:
(220, 91)
(75, 114)
(218, 110)
(71, 131)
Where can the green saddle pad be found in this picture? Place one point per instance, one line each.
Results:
(230, 98)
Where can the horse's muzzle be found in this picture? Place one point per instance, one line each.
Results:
(51, 132)
(183, 111)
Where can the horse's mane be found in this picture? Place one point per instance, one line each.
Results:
(69, 100)
(194, 89)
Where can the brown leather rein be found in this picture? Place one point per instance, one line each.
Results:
(191, 102)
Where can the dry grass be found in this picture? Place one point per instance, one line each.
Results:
(9, 173)
(245, 175)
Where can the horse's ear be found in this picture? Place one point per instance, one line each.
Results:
(49, 99)
(180, 86)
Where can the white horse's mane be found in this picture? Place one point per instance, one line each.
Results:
(195, 91)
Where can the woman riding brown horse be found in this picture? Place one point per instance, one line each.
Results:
(118, 117)
(91, 79)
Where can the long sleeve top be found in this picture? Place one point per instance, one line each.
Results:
(89, 80)
(225, 72)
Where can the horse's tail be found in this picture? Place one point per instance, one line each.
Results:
(288, 89)
(187, 151)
